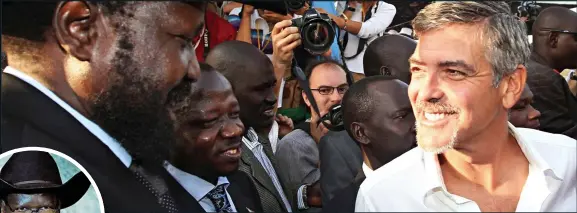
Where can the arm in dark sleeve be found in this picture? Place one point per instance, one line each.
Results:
(334, 175)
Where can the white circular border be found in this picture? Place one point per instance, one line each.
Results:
(69, 159)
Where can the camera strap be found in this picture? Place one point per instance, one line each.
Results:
(362, 41)
(206, 43)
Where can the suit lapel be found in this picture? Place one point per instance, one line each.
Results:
(258, 172)
(183, 199)
(69, 136)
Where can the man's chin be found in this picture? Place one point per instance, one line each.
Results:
(436, 141)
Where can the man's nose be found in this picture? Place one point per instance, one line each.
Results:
(336, 97)
(429, 90)
(534, 113)
(193, 70)
(232, 129)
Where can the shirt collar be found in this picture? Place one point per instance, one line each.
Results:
(194, 185)
(112, 144)
(434, 181)
(250, 139)
(368, 171)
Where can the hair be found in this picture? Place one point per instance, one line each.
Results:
(317, 62)
(358, 104)
(503, 34)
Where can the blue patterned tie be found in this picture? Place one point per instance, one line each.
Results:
(219, 199)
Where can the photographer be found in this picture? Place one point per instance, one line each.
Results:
(362, 21)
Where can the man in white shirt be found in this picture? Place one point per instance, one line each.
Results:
(206, 157)
(361, 22)
(467, 71)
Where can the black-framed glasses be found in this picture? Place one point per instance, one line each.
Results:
(562, 31)
(326, 90)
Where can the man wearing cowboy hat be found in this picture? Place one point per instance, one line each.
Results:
(30, 182)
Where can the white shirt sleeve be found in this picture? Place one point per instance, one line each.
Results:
(379, 21)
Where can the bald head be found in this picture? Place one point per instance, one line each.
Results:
(239, 61)
(361, 100)
(555, 37)
(555, 18)
(389, 55)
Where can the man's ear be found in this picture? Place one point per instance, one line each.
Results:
(359, 133)
(306, 99)
(513, 85)
(553, 39)
(75, 26)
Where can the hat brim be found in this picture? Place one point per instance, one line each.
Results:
(69, 193)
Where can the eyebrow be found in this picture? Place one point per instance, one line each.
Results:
(457, 63)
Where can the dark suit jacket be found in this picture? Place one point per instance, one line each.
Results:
(552, 98)
(269, 197)
(241, 190)
(345, 199)
(341, 160)
(29, 118)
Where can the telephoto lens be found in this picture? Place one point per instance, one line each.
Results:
(317, 31)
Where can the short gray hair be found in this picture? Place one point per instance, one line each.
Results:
(503, 34)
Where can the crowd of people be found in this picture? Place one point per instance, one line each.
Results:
(195, 106)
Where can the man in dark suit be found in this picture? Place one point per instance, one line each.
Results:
(206, 157)
(91, 79)
(387, 55)
(377, 114)
(250, 73)
(341, 161)
(554, 49)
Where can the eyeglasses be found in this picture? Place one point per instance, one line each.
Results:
(326, 90)
(562, 31)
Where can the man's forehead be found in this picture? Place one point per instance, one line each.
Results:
(449, 44)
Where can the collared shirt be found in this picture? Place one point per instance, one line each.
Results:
(112, 144)
(198, 187)
(273, 136)
(367, 170)
(414, 182)
(251, 141)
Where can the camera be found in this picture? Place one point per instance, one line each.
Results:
(334, 118)
(317, 31)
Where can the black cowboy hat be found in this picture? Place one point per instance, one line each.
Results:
(36, 172)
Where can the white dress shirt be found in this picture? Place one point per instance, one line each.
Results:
(198, 187)
(413, 181)
(110, 142)
(367, 170)
(382, 16)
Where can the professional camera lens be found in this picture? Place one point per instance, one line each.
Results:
(317, 35)
(317, 31)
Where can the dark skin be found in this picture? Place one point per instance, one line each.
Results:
(23, 202)
(253, 87)
(555, 49)
(389, 55)
(209, 130)
(118, 70)
(390, 131)
(523, 114)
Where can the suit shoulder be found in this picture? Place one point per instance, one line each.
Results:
(387, 177)
(296, 137)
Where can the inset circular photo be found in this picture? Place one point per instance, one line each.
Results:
(42, 180)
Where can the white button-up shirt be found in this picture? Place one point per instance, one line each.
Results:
(198, 187)
(413, 181)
